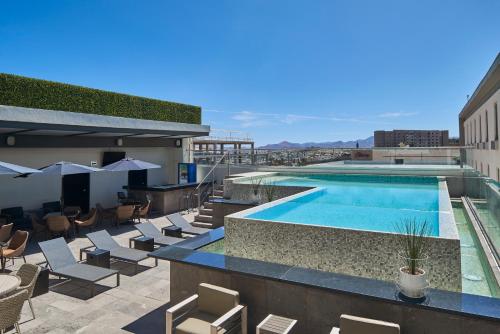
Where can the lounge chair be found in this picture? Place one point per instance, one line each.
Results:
(213, 310)
(62, 263)
(149, 230)
(356, 325)
(102, 240)
(177, 220)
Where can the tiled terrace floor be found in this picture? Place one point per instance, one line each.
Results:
(136, 306)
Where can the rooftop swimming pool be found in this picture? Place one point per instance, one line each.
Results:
(360, 202)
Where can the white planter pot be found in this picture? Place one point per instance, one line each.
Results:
(412, 286)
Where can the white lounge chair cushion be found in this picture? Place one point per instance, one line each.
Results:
(197, 323)
(356, 325)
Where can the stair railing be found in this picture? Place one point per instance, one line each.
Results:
(198, 190)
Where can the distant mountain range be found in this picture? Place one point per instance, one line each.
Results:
(363, 143)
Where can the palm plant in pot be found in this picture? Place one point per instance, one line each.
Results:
(413, 244)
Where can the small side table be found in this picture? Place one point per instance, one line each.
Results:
(274, 324)
(172, 231)
(144, 243)
(98, 257)
(42, 283)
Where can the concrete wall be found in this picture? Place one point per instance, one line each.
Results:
(484, 160)
(318, 310)
(34, 190)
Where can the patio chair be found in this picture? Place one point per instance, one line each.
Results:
(58, 225)
(143, 211)
(350, 324)
(122, 197)
(124, 213)
(10, 310)
(213, 310)
(5, 231)
(177, 220)
(103, 240)
(16, 215)
(38, 226)
(104, 214)
(16, 247)
(28, 273)
(62, 263)
(88, 221)
(49, 207)
(149, 230)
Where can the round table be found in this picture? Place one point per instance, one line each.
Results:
(8, 283)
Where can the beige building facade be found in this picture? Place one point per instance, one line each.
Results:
(480, 125)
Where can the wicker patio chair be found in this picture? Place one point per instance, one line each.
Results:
(16, 247)
(38, 226)
(5, 231)
(124, 213)
(89, 221)
(104, 214)
(10, 310)
(144, 211)
(58, 225)
(28, 273)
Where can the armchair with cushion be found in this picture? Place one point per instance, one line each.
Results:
(350, 324)
(16, 247)
(213, 310)
(124, 213)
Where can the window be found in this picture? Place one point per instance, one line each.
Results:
(475, 132)
(486, 131)
(480, 132)
(496, 120)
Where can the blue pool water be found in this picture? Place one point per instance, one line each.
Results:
(373, 203)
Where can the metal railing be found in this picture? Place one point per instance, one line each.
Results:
(204, 189)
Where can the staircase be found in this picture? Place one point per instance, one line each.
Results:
(205, 214)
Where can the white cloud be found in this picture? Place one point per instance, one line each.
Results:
(397, 114)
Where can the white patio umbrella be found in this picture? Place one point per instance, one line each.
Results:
(128, 164)
(7, 168)
(63, 168)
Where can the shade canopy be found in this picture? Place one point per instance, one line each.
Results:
(127, 164)
(7, 168)
(68, 168)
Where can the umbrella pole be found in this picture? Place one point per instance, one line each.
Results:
(62, 194)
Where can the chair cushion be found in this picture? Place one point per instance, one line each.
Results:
(197, 323)
(216, 300)
(356, 325)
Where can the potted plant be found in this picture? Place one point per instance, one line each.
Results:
(255, 186)
(413, 244)
(270, 191)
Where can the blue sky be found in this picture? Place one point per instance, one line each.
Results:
(277, 70)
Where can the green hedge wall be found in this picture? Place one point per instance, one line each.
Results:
(34, 93)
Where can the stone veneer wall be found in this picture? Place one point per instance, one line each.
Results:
(318, 310)
(359, 253)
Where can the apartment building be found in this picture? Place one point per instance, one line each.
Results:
(413, 138)
(479, 124)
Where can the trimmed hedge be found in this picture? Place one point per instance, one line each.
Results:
(34, 93)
